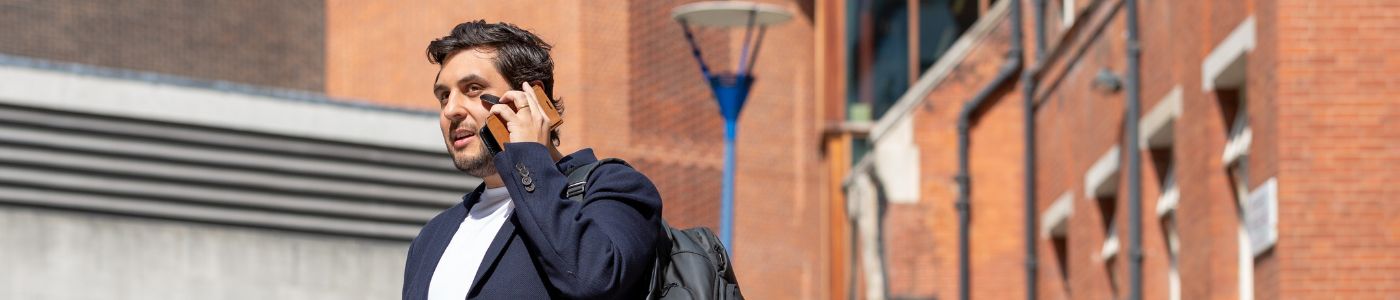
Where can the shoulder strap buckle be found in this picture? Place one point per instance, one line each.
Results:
(578, 178)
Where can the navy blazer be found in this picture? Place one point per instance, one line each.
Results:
(553, 248)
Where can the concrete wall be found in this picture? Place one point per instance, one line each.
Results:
(51, 254)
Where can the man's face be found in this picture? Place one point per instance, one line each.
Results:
(465, 76)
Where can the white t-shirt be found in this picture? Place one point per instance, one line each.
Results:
(456, 270)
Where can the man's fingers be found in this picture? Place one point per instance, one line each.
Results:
(515, 99)
(536, 108)
(505, 113)
(521, 102)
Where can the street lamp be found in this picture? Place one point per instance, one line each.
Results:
(731, 88)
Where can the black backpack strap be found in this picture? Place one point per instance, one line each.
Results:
(578, 177)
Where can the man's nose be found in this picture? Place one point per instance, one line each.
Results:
(456, 108)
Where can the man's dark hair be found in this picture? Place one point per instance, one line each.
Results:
(521, 56)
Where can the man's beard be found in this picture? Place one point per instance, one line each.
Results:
(479, 165)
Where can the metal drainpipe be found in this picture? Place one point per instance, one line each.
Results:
(1039, 30)
(1134, 157)
(965, 118)
(1028, 78)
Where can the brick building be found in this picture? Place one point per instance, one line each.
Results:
(270, 143)
(1266, 129)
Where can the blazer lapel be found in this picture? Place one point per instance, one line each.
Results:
(437, 244)
(493, 255)
(438, 241)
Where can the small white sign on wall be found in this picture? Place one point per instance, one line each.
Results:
(1261, 216)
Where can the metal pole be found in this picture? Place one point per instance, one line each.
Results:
(731, 93)
(748, 36)
(726, 226)
(695, 49)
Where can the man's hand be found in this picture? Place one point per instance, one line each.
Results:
(527, 122)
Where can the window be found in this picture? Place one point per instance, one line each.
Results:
(888, 44)
(1101, 184)
(1067, 12)
(1224, 73)
(1173, 252)
(1236, 162)
(1157, 136)
(1061, 244)
(1054, 224)
(1111, 243)
(881, 35)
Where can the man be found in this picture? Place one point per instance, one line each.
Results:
(516, 236)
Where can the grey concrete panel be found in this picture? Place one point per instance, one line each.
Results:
(119, 165)
(59, 255)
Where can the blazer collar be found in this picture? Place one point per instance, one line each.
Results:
(471, 199)
(498, 243)
(440, 237)
(576, 159)
(493, 255)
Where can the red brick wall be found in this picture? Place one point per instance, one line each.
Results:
(1316, 88)
(1076, 125)
(376, 50)
(922, 238)
(676, 111)
(1339, 224)
(268, 43)
(1263, 114)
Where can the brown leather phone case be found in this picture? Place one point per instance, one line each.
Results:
(495, 135)
(548, 106)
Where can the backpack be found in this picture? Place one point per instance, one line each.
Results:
(693, 265)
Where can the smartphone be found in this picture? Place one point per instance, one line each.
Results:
(494, 135)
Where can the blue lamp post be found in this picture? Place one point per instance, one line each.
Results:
(731, 89)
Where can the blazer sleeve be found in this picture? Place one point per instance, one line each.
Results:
(602, 247)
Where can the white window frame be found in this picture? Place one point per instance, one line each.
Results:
(1157, 131)
(1068, 11)
(1054, 221)
(1225, 68)
(1101, 180)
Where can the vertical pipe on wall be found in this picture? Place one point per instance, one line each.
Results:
(1134, 157)
(965, 120)
(1028, 78)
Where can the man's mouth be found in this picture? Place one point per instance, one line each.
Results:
(461, 137)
